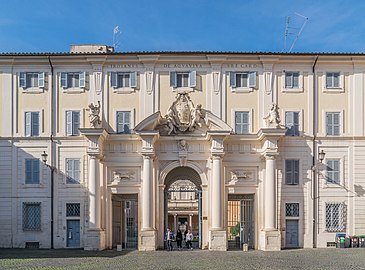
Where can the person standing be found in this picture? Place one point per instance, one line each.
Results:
(189, 239)
(179, 238)
(169, 236)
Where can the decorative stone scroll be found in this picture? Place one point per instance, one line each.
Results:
(94, 115)
(182, 117)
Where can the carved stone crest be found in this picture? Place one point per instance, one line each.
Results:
(119, 176)
(182, 116)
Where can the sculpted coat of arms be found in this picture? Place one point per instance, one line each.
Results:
(182, 116)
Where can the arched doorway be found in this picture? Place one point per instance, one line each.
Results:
(183, 202)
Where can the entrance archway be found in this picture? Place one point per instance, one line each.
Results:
(183, 202)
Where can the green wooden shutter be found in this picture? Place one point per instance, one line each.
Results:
(82, 79)
(252, 79)
(133, 79)
(232, 79)
(64, 79)
(41, 79)
(173, 79)
(28, 123)
(114, 79)
(23, 79)
(192, 78)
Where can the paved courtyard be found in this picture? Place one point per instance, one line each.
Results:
(184, 260)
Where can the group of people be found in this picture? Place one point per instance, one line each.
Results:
(187, 236)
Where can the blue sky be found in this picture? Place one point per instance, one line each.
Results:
(182, 25)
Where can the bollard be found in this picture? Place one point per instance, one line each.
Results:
(245, 247)
(119, 247)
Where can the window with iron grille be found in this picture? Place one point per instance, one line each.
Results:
(31, 216)
(335, 217)
(292, 209)
(72, 209)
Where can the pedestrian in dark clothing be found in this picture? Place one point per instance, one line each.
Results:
(179, 238)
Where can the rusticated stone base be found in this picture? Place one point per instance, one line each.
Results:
(94, 239)
(218, 240)
(270, 240)
(148, 240)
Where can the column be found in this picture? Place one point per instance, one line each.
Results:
(191, 222)
(217, 192)
(147, 193)
(94, 200)
(175, 224)
(270, 202)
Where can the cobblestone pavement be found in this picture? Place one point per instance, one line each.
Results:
(342, 259)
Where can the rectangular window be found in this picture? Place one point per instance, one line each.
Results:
(183, 79)
(333, 171)
(72, 209)
(72, 123)
(292, 123)
(291, 79)
(242, 122)
(31, 216)
(31, 124)
(335, 217)
(73, 79)
(123, 79)
(292, 209)
(72, 171)
(242, 79)
(333, 79)
(292, 171)
(32, 171)
(124, 122)
(31, 79)
(333, 123)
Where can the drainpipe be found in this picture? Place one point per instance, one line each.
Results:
(51, 155)
(314, 173)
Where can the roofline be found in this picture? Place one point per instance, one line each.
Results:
(182, 53)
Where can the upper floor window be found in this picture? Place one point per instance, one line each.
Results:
(73, 79)
(31, 79)
(123, 79)
(32, 171)
(124, 122)
(291, 79)
(333, 79)
(72, 171)
(31, 124)
(292, 172)
(333, 123)
(333, 171)
(31, 216)
(335, 217)
(242, 79)
(292, 123)
(72, 123)
(183, 79)
(242, 122)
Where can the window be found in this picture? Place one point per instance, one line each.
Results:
(32, 171)
(292, 172)
(72, 209)
(335, 217)
(123, 79)
(31, 124)
(183, 79)
(292, 123)
(333, 171)
(242, 79)
(124, 122)
(242, 122)
(31, 79)
(72, 171)
(332, 79)
(291, 79)
(72, 123)
(292, 209)
(31, 216)
(333, 123)
(73, 79)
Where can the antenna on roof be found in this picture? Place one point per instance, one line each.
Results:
(293, 28)
(116, 33)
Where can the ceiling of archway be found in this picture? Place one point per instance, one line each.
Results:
(182, 173)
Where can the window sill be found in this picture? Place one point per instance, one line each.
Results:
(333, 90)
(242, 89)
(293, 90)
(32, 90)
(331, 185)
(124, 90)
(73, 90)
(183, 89)
(32, 185)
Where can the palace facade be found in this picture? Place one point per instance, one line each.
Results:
(260, 150)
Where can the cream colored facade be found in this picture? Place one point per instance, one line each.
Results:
(320, 202)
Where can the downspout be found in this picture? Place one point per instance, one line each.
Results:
(314, 173)
(51, 154)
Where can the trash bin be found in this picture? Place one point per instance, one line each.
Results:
(340, 240)
(354, 241)
(362, 241)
